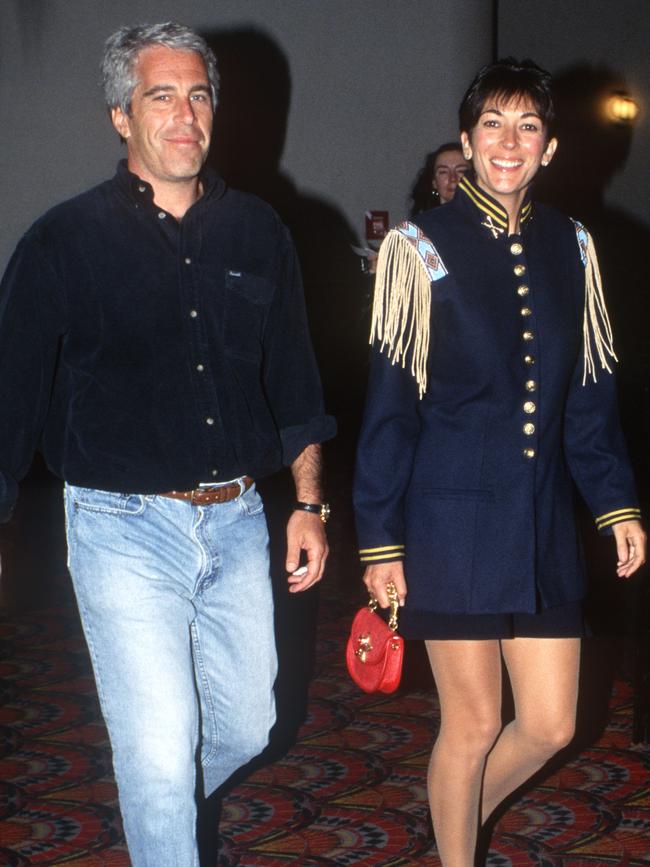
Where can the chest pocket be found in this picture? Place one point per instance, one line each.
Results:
(247, 302)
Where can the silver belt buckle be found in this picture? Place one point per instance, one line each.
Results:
(214, 486)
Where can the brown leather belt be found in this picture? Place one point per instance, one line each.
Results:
(209, 496)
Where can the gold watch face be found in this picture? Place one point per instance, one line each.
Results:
(325, 512)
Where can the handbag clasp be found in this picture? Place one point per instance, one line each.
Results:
(364, 647)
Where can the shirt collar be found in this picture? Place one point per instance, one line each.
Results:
(487, 211)
(137, 189)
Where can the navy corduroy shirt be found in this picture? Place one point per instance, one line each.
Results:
(142, 354)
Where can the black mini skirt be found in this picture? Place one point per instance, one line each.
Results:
(562, 621)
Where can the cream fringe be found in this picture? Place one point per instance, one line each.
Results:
(402, 308)
(596, 321)
(402, 305)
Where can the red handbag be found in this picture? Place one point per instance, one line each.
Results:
(375, 652)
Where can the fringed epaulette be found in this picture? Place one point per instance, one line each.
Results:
(401, 311)
(596, 328)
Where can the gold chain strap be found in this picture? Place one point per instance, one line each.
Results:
(394, 605)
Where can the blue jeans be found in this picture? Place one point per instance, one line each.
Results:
(177, 610)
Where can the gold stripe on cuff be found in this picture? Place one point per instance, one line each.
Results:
(618, 512)
(382, 548)
(617, 516)
(389, 555)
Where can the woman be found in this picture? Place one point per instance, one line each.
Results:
(491, 397)
(437, 180)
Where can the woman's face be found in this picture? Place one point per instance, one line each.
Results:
(507, 147)
(449, 168)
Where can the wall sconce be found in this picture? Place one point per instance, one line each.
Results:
(622, 109)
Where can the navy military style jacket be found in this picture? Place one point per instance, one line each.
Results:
(472, 482)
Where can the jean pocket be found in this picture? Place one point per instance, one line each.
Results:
(110, 502)
(251, 502)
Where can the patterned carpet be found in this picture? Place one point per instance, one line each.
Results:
(350, 791)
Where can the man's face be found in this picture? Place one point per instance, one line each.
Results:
(167, 131)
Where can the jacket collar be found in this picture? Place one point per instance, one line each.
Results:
(486, 210)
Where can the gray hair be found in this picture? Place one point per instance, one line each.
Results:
(119, 76)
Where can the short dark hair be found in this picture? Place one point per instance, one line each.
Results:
(505, 80)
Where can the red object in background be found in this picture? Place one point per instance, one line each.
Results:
(376, 225)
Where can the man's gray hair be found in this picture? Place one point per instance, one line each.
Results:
(119, 74)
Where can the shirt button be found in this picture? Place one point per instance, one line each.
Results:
(528, 335)
(529, 359)
(193, 314)
(215, 472)
(529, 407)
(525, 311)
(161, 215)
(142, 188)
(519, 270)
(529, 428)
(529, 453)
(187, 260)
(531, 385)
(516, 249)
(522, 290)
(200, 368)
(209, 420)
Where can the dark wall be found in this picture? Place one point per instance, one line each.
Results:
(600, 173)
(369, 87)
(609, 41)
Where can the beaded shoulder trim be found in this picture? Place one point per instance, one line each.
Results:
(407, 264)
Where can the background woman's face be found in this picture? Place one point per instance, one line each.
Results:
(449, 168)
(507, 147)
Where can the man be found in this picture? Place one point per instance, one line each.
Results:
(153, 342)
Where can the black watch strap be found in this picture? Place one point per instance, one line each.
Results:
(320, 509)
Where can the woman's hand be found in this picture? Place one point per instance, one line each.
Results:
(630, 547)
(379, 576)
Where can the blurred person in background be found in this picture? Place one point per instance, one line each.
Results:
(438, 178)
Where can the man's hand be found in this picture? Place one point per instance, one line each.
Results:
(630, 547)
(378, 576)
(305, 532)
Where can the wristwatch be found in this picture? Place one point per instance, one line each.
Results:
(321, 509)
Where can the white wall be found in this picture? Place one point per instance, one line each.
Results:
(375, 85)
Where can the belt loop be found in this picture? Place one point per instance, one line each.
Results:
(242, 485)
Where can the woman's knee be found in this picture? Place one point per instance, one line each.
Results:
(548, 737)
(560, 735)
(472, 736)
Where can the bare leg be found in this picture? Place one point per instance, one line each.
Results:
(468, 680)
(543, 674)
